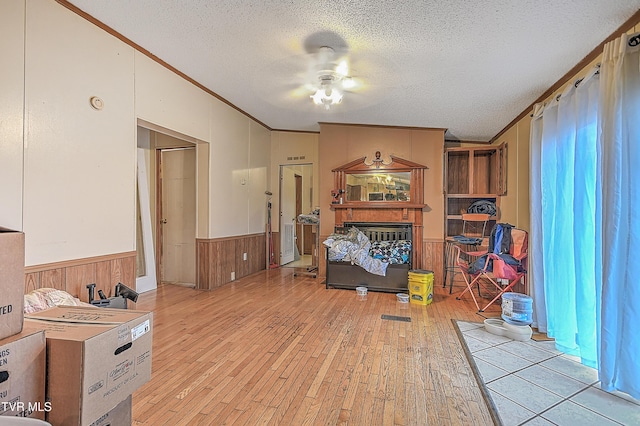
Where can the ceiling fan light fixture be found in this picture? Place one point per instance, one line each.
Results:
(335, 96)
(326, 96)
(332, 79)
(328, 93)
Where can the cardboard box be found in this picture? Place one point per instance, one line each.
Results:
(22, 375)
(96, 357)
(119, 416)
(11, 282)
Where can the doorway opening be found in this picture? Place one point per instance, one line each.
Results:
(296, 198)
(173, 173)
(176, 210)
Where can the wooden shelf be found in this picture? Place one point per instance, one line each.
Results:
(459, 217)
(378, 205)
(472, 195)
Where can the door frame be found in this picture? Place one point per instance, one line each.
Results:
(285, 222)
(148, 281)
(203, 171)
(299, 232)
(311, 178)
(158, 209)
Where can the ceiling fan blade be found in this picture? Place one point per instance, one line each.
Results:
(302, 91)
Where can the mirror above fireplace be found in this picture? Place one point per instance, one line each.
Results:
(378, 186)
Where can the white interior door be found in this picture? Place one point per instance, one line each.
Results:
(287, 214)
(146, 264)
(179, 216)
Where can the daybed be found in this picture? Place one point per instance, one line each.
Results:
(389, 260)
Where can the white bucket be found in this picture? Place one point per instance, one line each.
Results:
(517, 309)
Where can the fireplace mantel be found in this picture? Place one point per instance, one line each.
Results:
(385, 211)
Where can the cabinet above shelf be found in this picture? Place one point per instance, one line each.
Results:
(474, 181)
(476, 170)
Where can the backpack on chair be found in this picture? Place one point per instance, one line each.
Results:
(510, 244)
(500, 238)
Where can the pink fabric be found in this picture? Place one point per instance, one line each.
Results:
(45, 298)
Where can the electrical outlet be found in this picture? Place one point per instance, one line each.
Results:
(233, 276)
(244, 256)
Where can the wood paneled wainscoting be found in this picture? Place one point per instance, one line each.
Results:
(433, 258)
(218, 258)
(73, 276)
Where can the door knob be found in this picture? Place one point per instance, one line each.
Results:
(163, 221)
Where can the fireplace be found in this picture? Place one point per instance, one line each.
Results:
(402, 183)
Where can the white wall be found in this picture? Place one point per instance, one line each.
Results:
(74, 193)
(79, 165)
(239, 148)
(167, 100)
(11, 112)
(259, 176)
(229, 169)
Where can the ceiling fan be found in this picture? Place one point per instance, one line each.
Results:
(320, 77)
(329, 78)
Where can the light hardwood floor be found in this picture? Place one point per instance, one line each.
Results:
(276, 349)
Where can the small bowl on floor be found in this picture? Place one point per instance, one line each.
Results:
(499, 327)
(495, 326)
(402, 297)
(361, 291)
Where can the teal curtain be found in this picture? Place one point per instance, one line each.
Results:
(566, 131)
(585, 204)
(619, 215)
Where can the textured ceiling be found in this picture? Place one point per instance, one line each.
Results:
(468, 66)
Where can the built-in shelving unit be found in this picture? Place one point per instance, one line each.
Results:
(472, 174)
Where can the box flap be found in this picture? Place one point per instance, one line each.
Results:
(79, 314)
(68, 330)
(3, 229)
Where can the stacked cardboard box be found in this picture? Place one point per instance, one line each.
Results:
(93, 359)
(118, 416)
(11, 282)
(96, 358)
(22, 375)
(22, 353)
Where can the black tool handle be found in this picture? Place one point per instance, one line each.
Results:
(92, 288)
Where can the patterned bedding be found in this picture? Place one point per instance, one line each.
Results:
(374, 257)
(393, 252)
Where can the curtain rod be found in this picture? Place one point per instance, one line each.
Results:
(632, 41)
(578, 81)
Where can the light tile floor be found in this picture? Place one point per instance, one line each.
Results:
(304, 261)
(531, 383)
